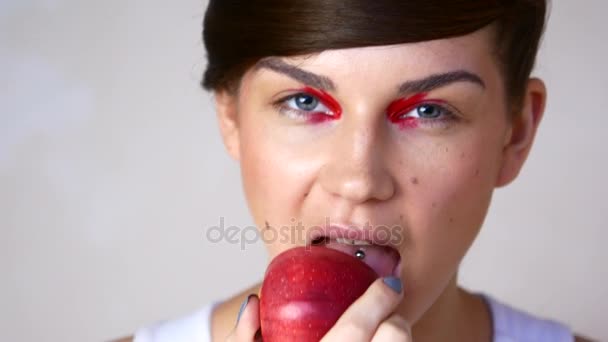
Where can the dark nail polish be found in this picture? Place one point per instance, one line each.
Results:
(394, 283)
(238, 318)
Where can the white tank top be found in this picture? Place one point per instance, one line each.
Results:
(510, 325)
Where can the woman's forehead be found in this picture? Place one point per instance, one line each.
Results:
(472, 52)
(388, 69)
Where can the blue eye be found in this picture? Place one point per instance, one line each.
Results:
(306, 103)
(427, 111)
(309, 105)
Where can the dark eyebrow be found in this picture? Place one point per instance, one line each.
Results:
(300, 75)
(439, 80)
(325, 83)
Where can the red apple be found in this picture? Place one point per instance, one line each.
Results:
(306, 290)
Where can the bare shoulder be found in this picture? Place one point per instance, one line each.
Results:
(124, 339)
(581, 339)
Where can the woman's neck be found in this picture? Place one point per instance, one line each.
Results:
(460, 315)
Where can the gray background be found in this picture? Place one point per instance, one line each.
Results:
(112, 170)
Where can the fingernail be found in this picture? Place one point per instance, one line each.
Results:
(243, 305)
(394, 283)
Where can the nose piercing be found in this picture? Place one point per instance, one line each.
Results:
(360, 254)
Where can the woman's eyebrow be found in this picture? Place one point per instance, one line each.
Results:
(431, 82)
(325, 83)
(300, 75)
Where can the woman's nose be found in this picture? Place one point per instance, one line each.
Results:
(355, 167)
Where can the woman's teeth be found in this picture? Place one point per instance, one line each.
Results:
(352, 242)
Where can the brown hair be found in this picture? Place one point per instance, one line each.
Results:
(238, 33)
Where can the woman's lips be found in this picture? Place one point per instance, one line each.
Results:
(385, 260)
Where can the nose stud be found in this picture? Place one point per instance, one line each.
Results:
(360, 254)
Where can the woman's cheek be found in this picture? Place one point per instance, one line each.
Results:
(449, 203)
(275, 176)
(446, 205)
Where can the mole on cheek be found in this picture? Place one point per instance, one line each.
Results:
(434, 205)
(414, 180)
(266, 225)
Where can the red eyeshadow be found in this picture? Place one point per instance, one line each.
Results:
(401, 106)
(328, 101)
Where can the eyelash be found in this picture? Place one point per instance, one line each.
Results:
(447, 114)
(285, 109)
(319, 97)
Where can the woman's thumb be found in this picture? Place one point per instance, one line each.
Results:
(247, 321)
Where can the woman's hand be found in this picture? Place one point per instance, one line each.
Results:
(369, 318)
(372, 317)
(248, 322)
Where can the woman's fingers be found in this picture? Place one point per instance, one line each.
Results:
(361, 321)
(248, 322)
(369, 318)
(395, 328)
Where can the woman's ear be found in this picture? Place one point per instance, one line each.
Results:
(226, 107)
(521, 134)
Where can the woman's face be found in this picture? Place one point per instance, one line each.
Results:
(413, 137)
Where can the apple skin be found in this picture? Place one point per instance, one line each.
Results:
(307, 289)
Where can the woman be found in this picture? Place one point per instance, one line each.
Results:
(354, 115)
